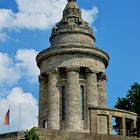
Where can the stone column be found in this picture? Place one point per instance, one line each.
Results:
(91, 88)
(123, 126)
(91, 93)
(102, 89)
(134, 123)
(42, 100)
(72, 104)
(110, 124)
(53, 101)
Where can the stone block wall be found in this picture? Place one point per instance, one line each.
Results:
(12, 136)
(48, 134)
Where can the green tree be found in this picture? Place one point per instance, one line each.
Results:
(31, 134)
(131, 102)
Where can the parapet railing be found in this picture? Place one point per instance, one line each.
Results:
(101, 121)
(130, 133)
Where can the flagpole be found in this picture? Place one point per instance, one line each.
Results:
(19, 116)
(9, 121)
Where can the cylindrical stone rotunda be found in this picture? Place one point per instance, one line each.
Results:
(72, 74)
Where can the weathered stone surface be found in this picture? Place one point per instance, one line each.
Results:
(43, 100)
(75, 57)
(102, 125)
(72, 55)
(53, 119)
(91, 93)
(46, 134)
(91, 89)
(12, 136)
(101, 120)
(72, 29)
(72, 46)
(65, 63)
(102, 90)
(67, 39)
(73, 119)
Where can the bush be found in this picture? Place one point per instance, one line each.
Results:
(31, 134)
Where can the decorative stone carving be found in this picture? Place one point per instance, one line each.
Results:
(72, 22)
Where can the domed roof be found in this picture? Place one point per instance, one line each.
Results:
(72, 22)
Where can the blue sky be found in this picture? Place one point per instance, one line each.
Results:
(25, 27)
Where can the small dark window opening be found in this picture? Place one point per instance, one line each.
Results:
(62, 73)
(82, 102)
(63, 102)
(82, 74)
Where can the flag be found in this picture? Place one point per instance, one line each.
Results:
(6, 118)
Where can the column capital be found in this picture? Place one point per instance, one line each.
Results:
(72, 69)
(88, 70)
(102, 77)
(42, 76)
(54, 71)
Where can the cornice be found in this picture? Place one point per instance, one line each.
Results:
(47, 53)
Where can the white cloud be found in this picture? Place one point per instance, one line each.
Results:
(27, 64)
(33, 14)
(3, 36)
(8, 72)
(90, 15)
(24, 65)
(38, 14)
(19, 100)
(6, 18)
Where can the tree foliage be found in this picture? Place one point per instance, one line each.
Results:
(131, 102)
(31, 134)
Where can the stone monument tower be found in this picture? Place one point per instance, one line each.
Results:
(72, 74)
(73, 87)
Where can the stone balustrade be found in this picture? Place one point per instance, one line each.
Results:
(101, 120)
